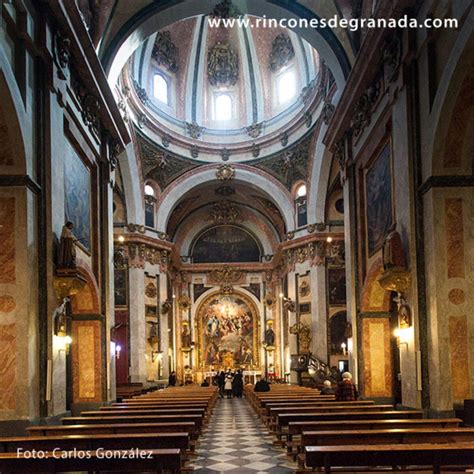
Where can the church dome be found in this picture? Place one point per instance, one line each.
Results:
(211, 93)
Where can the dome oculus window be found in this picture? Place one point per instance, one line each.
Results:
(223, 107)
(286, 86)
(160, 88)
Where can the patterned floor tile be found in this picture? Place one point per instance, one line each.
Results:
(236, 442)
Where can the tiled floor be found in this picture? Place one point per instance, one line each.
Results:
(237, 442)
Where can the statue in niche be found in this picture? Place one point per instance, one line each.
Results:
(67, 248)
(186, 337)
(393, 252)
(269, 335)
(303, 333)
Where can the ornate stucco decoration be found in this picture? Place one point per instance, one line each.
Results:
(282, 52)
(284, 138)
(165, 52)
(142, 120)
(184, 302)
(120, 261)
(225, 154)
(392, 56)
(62, 54)
(194, 151)
(308, 119)
(165, 140)
(308, 91)
(151, 290)
(225, 275)
(225, 173)
(222, 65)
(363, 109)
(194, 130)
(327, 112)
(225, 9)
(303, 332)
(255, 130)
(255, 150)
(289, 165)
(90, 109)
(136, 228)
(141, 92)
(159, 164)
(224, 212)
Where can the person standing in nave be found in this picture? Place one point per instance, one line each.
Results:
(327, 388)
(346, 390)
(220, 382)
(238, 384)
(172, 379)
(228, 385)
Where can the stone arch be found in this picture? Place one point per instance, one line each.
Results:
(254, 178)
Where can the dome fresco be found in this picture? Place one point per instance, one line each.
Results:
(200, 86)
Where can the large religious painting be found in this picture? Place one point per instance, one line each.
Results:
(225, 243)
(337, 286)
(77, 190)
(378, 185)
(228, 332)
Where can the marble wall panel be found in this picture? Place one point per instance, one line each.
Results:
(86, 361)
(374, 297)
(459, 348)
(377, 357)
(7, 240)
(454, 237)
(8, 375)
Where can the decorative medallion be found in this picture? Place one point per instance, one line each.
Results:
(270, 300)
(224, 212)
(225, 275)
(282, 52)
(165, 141)
(7, 304)
(150, 290)
(165, 52)
(194, 130)
(457, 296)
(225, 173)
(222, 65)
(90, 112)
(255, 129)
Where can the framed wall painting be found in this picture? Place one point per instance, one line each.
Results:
(379, 199)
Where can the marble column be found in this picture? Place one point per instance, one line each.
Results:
(319, 330)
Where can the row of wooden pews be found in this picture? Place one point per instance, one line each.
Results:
(154, 431)
(320, 432)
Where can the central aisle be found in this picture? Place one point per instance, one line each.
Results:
(237, 442)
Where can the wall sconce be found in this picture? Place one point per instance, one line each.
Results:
(402, 335)
(344, 347)
(118, 350)
(156, 355)
(66, 341)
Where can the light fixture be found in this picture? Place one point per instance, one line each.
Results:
(402, 335)
(66, 344)
(343, 347)
(121, 238)
(329, 240)
(118, 350)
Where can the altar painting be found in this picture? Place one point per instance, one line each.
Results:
(228, 331)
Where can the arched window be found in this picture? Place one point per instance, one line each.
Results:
(223, 107)
(286, 86)
(149, 206)
(160, 88)
(301, 208)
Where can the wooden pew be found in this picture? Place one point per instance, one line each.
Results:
(284, 419)
(265, 408)
(419, 455)
(118, 428)
(87, 420)
(156, 460)
(393, 436)
(295, 428)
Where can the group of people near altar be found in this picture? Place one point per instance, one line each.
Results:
(231, 384)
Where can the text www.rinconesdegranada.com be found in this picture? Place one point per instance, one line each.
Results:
(352, 24)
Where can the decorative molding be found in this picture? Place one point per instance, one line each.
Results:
(308, 91)
(222, 65)
(225, 154)
(165, 52)
(392, 56)
(284, 138)
(136, 228)
(62, 54)
(225, 9)
(255, 150)
(141, 92)
(327, 112)
(282, 52)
